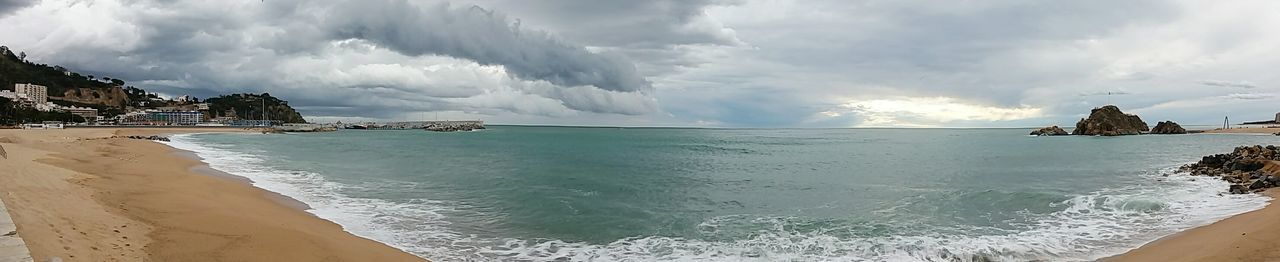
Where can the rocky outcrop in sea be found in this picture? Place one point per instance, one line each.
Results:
(1168, 128)
(454, 126)
(1050, 131)
(1110, 121)
(1247, 168)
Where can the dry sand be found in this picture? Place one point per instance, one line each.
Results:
(137, 200)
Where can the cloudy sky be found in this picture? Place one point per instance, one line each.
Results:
(716, 63)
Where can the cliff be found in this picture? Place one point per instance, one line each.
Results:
(1110, 121)
(249, 106)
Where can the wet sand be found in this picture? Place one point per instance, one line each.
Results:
(82, 199)
(1252, 236)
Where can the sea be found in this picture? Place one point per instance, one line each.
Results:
(515, 193)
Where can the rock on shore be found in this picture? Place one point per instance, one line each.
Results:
(1247, 168)
(1050, 131)
(1110, 121)
(1168, 128)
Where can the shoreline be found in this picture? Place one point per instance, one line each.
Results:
(1249, 236)
(1245, 130)
(111, 207)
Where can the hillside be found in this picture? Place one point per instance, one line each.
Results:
(249, 106)
(111, 97)
(13, 69)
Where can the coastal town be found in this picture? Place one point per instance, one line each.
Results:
(188, 111)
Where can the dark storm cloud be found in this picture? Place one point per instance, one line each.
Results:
(484, 36)
(7, 6)
(333, 54)
(646, 24)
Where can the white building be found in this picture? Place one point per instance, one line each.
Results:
(9, 94)
(89, 114)
(36, 93)
(185, 99)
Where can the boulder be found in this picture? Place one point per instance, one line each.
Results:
(1168, 128)
(1110, 121)
(1247, 168)
(1050, 131)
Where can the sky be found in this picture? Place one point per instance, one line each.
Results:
(696, 63)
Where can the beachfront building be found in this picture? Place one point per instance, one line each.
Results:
(89, 114)
(176, 117)
(1277, 117)
(38, 94)
(161, 118)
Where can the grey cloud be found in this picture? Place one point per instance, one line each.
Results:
(1220, 83)
(1105, 93)
(7, 6)
(618, 23)
(484, 36)
(1248, 96)
(300, 50)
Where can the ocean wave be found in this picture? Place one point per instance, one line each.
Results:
(1077, 228)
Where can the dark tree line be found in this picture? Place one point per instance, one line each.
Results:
(12, 113)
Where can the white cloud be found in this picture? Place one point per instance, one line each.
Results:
(927, 111)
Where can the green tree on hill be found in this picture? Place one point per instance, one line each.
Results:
(250, 106)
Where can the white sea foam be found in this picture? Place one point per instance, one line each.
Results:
(1090, 226)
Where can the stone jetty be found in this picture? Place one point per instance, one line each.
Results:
(303, 128)
(453, 126)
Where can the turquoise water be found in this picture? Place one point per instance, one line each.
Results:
(609, 194)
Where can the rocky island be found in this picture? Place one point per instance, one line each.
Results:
(1110, 121)
(1050, 131)
(1168, 128)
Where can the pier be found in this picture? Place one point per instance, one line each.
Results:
(451, 125)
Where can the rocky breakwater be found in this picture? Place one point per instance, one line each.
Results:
(1168, 128)
(1247, 168)
(453, 126)
(152, 138)
(1110, 121)
(1050, 131)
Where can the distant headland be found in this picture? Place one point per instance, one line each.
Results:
(38, 93)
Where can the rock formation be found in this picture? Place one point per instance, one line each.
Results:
(1247, 168)
(1050, 131)
(1109, 121)
(447, 126)
(1167, 128)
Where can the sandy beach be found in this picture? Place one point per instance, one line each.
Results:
(1246, 130)
(78, 197)
(1252, 236)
